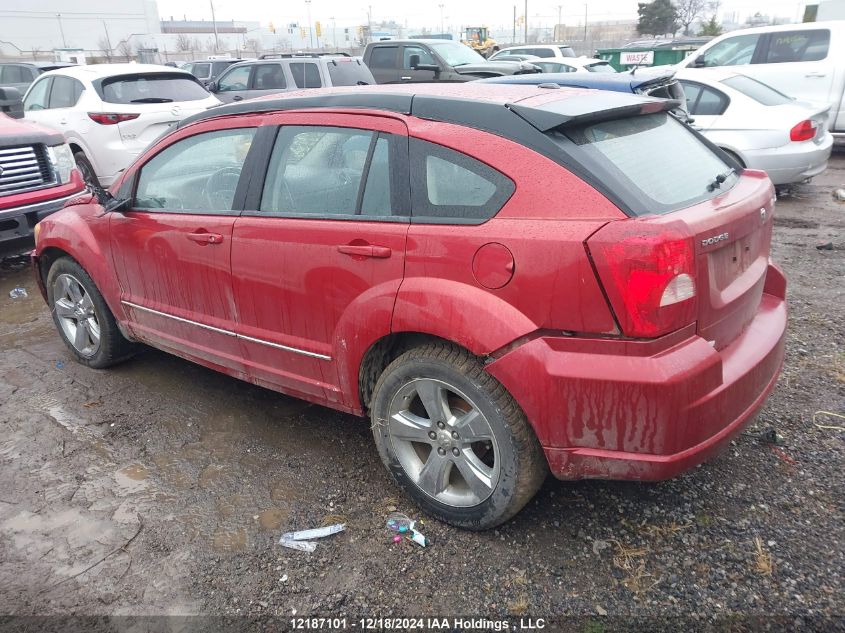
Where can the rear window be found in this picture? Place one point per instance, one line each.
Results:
(657, 163)
(757, 90)
(600, 67)
(150, 88)
(349, 73)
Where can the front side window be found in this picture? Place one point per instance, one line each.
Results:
(655, 159)
(600, 67)
(305, 75)
(554, 67)
(541, 52)
(732, 51)
(235, 79)
(36, 98)
(424, 55)
(798, 46)
(269, 77)
(197, 174)
(448, 186)
(328, 171)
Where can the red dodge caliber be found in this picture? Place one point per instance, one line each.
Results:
(509, 280)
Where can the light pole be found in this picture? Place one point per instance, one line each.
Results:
(214, 23)
(108, 39)
(334, 33)
(555, 33)
(441, 18)
(526, 21)
(59, 17)
(310, 32)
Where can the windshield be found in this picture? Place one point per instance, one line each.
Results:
(151, 88)
(600, 67)
(661, 164)
(455, 54)
(757, 90)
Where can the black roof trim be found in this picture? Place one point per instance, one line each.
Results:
(579, 111)
(399, 103)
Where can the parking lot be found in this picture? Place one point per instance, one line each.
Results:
(160, 487)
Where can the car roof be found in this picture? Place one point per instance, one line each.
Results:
(472, 103)
(619, 82)
(54, 64)
(574, 61)
(705, 75)
(99, 71)
(803, 26)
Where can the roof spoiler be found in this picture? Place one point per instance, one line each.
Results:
(581, 111)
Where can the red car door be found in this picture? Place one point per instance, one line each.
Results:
(318, 254)
(172, 248)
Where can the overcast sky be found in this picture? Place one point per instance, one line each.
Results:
(421, 13)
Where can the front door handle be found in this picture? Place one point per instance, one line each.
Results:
(405, 78)
(205, 238)
(816, 75)
(237, 98)
(365, 250)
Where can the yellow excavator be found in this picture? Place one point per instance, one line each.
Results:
(478, 39)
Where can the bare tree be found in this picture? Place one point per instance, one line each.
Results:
(253, 45)
(105, 47)
(35, 50)
(183, 43)
(688, 11)
(127, 49)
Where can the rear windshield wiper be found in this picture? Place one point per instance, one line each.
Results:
(152, 100)
(720, 179)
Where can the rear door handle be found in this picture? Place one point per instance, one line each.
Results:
(205, 238)
(368, 250)
(816, 75)
(405, 78)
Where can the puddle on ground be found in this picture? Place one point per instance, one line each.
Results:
(229, 540)
(273, 518)
(132, 479)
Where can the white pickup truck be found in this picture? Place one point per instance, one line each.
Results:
(805, 61)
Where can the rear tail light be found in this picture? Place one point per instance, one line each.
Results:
(804, 131)
(648, 273)
(110, 118)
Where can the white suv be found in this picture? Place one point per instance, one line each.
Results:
(545, 51)
(109, 113)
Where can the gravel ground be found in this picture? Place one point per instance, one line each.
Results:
(160, 487)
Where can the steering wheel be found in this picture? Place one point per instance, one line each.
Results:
(219, 190)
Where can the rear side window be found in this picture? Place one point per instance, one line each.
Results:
(554, 67)
(150, 88)
(540, 52)
(704, 101)
(383, 57)
(566, 51)
(450, 187)
(269, 77)
(658, 163)
(65, 93)
(798, 46)
(305, 75)
(329, 171)
(757, 90)
(349, 73)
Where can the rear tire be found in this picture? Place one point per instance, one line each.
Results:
(86, 169)
(454, 439)
(83, 319)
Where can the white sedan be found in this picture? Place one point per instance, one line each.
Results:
(573, 65)
(758, 126)
(110, 113)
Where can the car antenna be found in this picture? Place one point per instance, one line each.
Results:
(634, 69)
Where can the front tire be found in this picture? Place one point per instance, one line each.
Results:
(83, 319)
(454, 438)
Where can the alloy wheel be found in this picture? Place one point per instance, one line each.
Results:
(76, 315)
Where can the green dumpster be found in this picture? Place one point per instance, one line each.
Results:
(651, 52)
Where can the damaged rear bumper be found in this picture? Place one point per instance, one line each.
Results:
(645, 410)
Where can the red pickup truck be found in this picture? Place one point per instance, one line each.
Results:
(37, 176)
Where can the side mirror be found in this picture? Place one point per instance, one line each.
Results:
(11, 102)
(699, 62)
(414, 60)
(211, 86)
